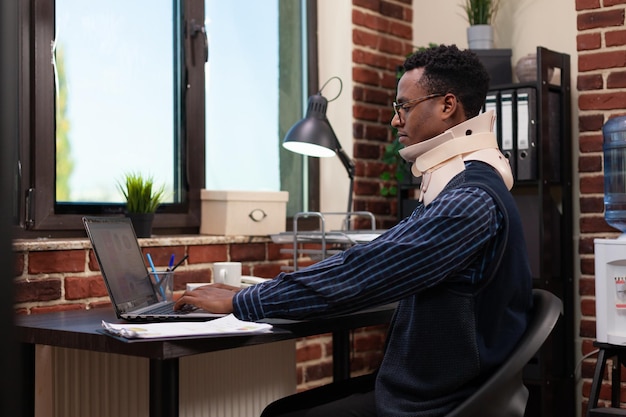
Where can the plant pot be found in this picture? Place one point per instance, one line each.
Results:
(142, 223)
(480, 37)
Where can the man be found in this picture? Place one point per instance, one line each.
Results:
(457, 266)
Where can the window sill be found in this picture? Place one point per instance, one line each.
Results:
(47, 244)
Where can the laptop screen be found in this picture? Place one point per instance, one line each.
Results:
(121, 262)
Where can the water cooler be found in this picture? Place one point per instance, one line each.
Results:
(610, 254)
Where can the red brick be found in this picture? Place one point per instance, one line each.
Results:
(266, 270)
(587, 328)
(600, 19)
(590, 82)
(363, 38)
(595, 225)
(318, 371)
(161, 254)
(373, 5)
(588, 41)
(616, 79)
(587, 4)
(586, 246)
(588, 308)
(391, 46)
(591, 204)
(56, 261)
(376, 23)
(277, 252)
(392, 10)
(601, 60)
(207, 254)
(608, 101)
(309, 352)
(587, 266)
(367, 151)
(366, 75)
(591, 143)
(378, 96)
(615, 38)
(590, 163)
(37, 290)
(84, 287)
(248, 252)
(183, 277)
(92, 262)
(609, 3)
(587, 287)
(365, 113)
(363, 57)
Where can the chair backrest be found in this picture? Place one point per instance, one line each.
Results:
(504, 393)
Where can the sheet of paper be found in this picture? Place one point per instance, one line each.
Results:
(222, 326)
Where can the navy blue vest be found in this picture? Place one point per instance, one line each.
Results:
(444, 341)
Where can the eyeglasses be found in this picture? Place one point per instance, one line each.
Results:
(411, 103)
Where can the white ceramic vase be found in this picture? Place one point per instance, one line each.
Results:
(480, 37)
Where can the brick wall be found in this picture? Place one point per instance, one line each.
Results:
(382, 37)
(601, 83)
(64, 275)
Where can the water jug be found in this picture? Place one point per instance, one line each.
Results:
(614, 146)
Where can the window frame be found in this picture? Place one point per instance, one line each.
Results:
(34, 208)
(35, 184)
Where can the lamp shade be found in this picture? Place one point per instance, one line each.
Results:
(313, 135)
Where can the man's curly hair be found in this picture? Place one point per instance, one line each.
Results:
(450, 70)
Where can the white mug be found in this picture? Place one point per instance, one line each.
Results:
(228, 273)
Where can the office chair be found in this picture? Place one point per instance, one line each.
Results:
(504, 394)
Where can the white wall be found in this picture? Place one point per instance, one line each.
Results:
(521, 25)
(335, 59)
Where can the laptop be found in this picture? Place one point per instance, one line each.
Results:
(126, 276)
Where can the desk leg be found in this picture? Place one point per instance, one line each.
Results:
(27, 370)
(341, 355)
(164, 388)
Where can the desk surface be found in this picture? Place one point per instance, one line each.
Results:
(81, 329)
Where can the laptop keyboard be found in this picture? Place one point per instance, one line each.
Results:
(168, 309)
(161, 309)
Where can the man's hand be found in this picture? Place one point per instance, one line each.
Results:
(214, 298)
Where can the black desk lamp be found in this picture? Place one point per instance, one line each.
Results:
(314, 136)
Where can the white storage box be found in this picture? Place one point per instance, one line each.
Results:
(247, 213)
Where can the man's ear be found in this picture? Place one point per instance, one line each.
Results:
(452, 109)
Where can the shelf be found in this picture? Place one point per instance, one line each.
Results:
(330, 241)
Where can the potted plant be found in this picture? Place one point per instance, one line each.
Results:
(480, 15)
(142, 201)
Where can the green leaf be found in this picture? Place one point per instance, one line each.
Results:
(139, 194)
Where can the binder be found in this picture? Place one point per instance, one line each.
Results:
(506, 139)
(526, 135)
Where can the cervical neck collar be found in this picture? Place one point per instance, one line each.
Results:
(441, 158)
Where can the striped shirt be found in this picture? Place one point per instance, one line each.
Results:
(453, 239)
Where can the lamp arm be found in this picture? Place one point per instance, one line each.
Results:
(343, 156)
(349, 165)
(346, 161)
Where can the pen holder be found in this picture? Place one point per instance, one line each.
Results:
(163, 284)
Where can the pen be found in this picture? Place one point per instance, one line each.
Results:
(169, 267)
(156, 276)
(180, 262)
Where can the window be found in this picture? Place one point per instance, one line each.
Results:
(114, 87)
(254, 54)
